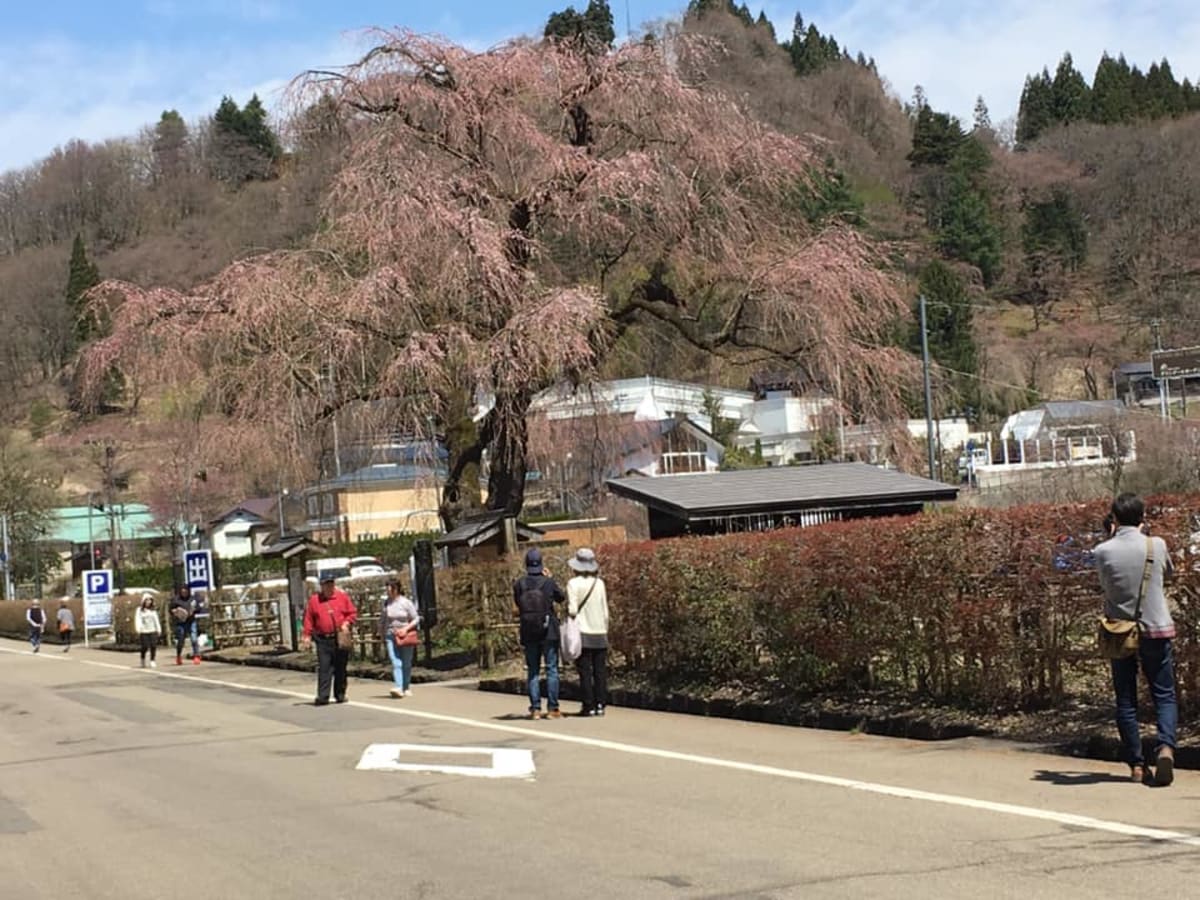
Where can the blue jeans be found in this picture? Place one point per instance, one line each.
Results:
(402, 663)
(1158, 665)
(182, 631)
(533, 665)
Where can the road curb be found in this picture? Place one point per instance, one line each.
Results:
(1095, 746)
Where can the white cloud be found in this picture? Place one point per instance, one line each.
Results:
(55, 90)
(958, 51)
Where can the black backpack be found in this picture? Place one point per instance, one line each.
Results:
(536, 608)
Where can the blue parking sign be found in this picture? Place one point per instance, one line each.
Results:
(97, 583)
(198, 570)
(97, 599)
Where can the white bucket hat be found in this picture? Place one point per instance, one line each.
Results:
(584, 560)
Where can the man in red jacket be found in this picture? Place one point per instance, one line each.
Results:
(329, 611)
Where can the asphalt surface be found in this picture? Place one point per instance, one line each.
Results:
(225, 782)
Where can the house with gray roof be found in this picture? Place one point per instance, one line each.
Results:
(778, 496)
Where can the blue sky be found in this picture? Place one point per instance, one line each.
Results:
(96, 69)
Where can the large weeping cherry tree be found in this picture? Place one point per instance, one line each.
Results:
(499, 219)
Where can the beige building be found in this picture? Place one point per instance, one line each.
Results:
(376, 501)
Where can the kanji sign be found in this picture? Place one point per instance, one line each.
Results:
(198, 569)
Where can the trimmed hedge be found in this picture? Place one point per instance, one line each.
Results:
(982, 608)
(979, 608)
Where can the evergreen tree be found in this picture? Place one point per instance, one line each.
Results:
(967, 231)
(765, 23)
(594, 26)
(1070, 96)
(949, 322)
(245, 146)
(1139, 93)
(1036, 111)
(82, 276)
(257, 131)
(1112, 91)
(983, 118)
(937, 137)
(829, 199)
(169, 146)
(1054, 228)
(1163, 92)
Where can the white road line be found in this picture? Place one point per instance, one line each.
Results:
(1028, 812)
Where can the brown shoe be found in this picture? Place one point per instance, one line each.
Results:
(1164, 766)
(554, 714)
(535, 714)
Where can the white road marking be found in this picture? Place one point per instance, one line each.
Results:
(503, 762)
(1011, 809)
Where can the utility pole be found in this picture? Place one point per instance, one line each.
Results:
(1163, 402)
(928, 392)
(8, 585)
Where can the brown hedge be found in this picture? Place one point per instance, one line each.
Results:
(983, 608)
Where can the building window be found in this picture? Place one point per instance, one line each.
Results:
(314, 506)
(327, 504)
(367, 536)
(682, 452)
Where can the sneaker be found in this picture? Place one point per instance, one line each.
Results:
(1164, 767)
(554, 714)
(36, 649)
(320, 702)
(66, 649)
(408, 693)
(535, 714)
(179, 660)
(153, 664)
(1137, 774)
(143, 663)
(195, 660)
(397, 693)
(600, 709)
(341, 699)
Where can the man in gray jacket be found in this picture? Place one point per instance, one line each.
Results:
(1122, 562)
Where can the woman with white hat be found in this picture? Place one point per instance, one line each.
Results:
(587, 604)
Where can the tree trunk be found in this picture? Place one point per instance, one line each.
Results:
(507, 463)
(464, 440)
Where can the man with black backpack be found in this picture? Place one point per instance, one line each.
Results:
(534, 596)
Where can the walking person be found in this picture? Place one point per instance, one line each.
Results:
(399, 621)
(534, 596)
(149, 629)
(66, 624)
(329, 620)
(1132, 566)
(36, 617)
(182, 611)
(587, 604)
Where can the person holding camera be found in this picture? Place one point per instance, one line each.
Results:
(1132, 567)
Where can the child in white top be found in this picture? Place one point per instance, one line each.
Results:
(148, 627)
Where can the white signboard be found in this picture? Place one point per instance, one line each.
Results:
(97, 600)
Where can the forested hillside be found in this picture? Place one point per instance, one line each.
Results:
(1046, 250)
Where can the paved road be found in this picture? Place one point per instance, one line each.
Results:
(221, 781)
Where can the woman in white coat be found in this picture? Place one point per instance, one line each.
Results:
(587, 604)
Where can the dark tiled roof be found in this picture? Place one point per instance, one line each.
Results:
(259, 507)
(781, 488)
(478, 529)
